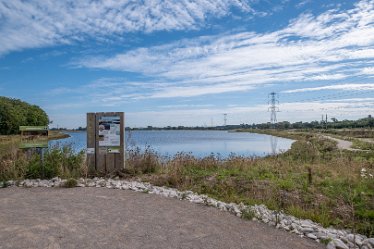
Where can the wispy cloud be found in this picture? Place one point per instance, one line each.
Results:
(343, 87)
(33, 24)
(293, 112)
(335, 45)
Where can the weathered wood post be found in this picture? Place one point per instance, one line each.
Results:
(105, 142)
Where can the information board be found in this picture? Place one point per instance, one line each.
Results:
(109, 131)
(33, 137)
(105, 142)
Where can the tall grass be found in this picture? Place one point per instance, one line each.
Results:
(312, 180)
(57, 161)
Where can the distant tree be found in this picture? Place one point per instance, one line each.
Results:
(14, 113)
(371, 121)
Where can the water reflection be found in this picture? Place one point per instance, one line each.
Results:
(199, 143)
(274, 143)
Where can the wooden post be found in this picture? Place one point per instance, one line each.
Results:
(310, 179)
(105, 142)
(91, 143)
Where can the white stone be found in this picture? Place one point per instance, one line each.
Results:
(261, 212)
(340, 244)
(371, 241)
(306, 229)
(311, 236)
(331, 245)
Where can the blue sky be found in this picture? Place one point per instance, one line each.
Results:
(188, 62)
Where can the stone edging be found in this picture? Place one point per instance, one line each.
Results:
(337, 239)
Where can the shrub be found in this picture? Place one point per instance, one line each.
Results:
(70, 183)
(248, 214)
(143, 162)
(58, 161)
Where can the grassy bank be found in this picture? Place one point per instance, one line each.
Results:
(312, 180)
(55, 135)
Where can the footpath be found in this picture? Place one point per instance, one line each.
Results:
(111, 218)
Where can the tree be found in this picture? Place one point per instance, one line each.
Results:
(14, 113)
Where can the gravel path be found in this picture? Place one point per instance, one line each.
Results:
(343, 144)
(108, 218)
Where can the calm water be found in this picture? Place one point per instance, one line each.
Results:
(199, 143)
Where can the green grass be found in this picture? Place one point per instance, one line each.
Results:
(59, 161)
(358, 144)
(333, 193)
(70, 183)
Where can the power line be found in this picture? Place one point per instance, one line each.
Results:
(273, 108)
(224, 119)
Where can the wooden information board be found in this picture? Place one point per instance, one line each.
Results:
(33, 137)
(105, 142)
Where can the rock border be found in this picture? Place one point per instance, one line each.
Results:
(334, 238)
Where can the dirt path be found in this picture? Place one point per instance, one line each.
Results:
(341, 144)
(107, 218)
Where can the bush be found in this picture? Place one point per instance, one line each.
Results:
(70, 183)
(58, 161)
(143, 162)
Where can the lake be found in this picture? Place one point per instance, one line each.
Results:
(199, 143)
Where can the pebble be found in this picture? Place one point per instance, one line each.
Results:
(340, 239)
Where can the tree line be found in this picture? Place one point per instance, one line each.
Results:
(333, 123)
(15, 113)
(367, 122)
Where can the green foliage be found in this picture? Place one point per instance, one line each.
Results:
(70, 183)
(358, 144)
(367, 122)
(325, 241)
(3, 184)
(58, 161)
(15, 113)
(63, 161)
(146, 162)
(248, 214)
(286, 184)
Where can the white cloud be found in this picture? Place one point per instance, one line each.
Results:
(335, 45)
(293, 112)
(32, 24)
(343, 87)
(368, 70)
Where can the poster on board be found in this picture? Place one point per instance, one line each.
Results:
(109, 131)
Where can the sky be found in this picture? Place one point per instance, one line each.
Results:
(187, 62)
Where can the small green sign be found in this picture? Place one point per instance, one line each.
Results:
(33, 128)
(34, 144)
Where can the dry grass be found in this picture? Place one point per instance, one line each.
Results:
(313, 180)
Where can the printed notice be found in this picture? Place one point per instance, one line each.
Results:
(109, 131)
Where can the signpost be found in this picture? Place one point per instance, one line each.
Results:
(35, 137)
(105, 142)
